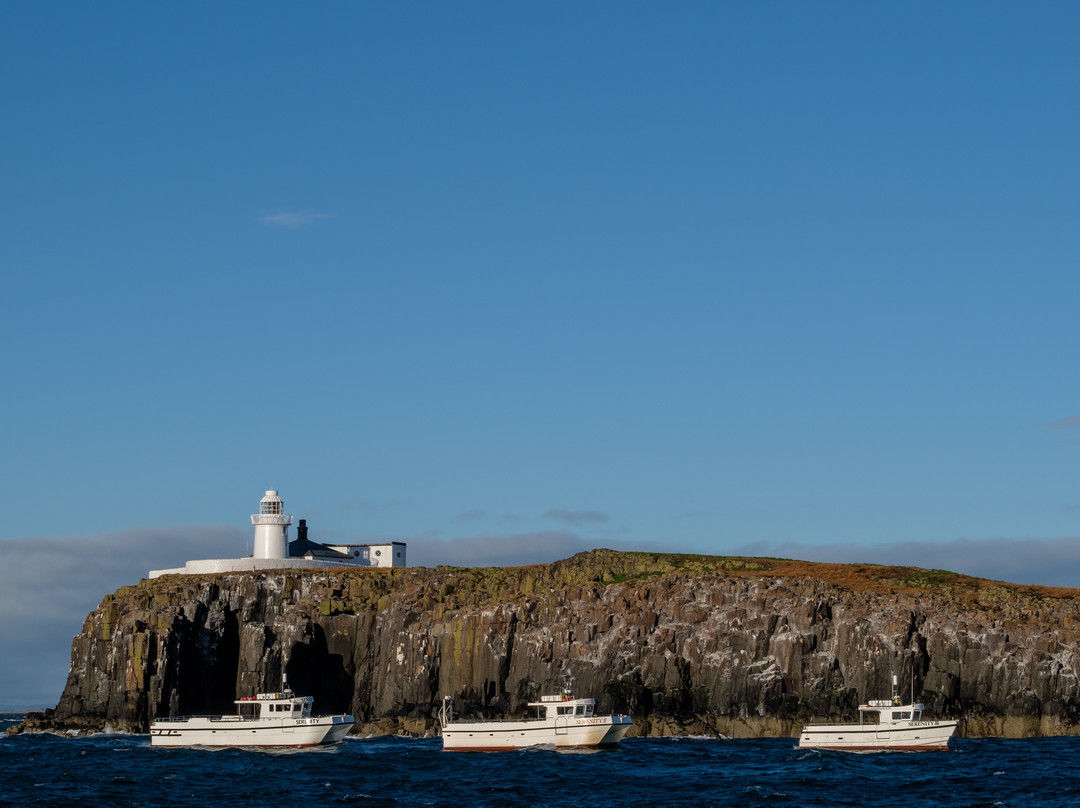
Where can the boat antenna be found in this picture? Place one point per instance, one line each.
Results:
(284, 675)
(568, 683)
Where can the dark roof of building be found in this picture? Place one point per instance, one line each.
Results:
(302, 547)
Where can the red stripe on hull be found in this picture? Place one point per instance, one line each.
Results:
(924, 748)
(515, 748)
(239, 745)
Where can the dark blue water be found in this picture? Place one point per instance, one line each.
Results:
(123, 770)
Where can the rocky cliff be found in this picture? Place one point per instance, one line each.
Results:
(686, 644)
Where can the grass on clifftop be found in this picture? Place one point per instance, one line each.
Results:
(613, 567)
(855, 577)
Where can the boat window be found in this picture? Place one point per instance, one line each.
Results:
(896, 716)
(906, 715)
(580, 710)
(566, 711)
(916, 716)
(588, 709)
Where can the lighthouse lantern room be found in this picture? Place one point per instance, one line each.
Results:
(271, 527)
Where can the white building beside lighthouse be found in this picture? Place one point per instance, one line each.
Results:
(272, 549)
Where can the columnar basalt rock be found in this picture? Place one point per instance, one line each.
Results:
(686, 644)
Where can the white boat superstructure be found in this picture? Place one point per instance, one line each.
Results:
(899, 727)
(561, 721)
(269, 719)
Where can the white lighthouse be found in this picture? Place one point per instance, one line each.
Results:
(273, 551)
(271, 527)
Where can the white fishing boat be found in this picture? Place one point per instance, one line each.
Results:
(561, 721)
(280, 719)
(884, 724)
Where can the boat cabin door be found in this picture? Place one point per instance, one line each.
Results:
(884, 731)
(560, 725)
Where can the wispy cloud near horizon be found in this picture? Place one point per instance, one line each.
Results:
(509, 550)
(1070, 422)
(293, 220)
(576, 517)
(357, 504)
(49, 585)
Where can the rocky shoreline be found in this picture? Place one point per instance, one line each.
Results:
(688, 645)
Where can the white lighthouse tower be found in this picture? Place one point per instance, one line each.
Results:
(271, 527)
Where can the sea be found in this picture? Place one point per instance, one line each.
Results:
(118, 770)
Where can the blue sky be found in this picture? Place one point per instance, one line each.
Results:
(507, 281)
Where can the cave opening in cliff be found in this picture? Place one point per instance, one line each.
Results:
(201, 677)
(314, 671)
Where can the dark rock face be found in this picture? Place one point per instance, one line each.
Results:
(739, 647)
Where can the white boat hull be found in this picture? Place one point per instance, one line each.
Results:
(235, 731)
(912, 736)
(562, 732)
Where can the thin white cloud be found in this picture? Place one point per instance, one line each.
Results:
(470, 516)
(1071, 422)
(357, 505)
(576, 517)
(486, 550)
(294, 219)
(505, 549)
